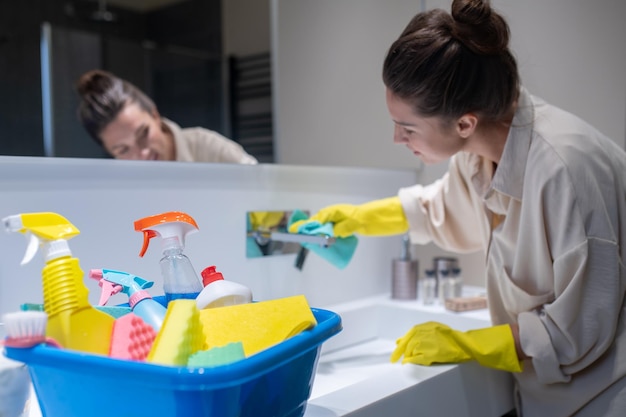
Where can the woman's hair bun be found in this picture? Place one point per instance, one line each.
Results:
(94, 82)
(479, 27)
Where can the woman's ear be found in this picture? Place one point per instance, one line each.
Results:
(466, 125)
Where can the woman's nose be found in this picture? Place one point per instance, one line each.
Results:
(144, 153)
(142, 142)
(398, 135)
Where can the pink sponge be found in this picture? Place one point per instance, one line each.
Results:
(132, 338)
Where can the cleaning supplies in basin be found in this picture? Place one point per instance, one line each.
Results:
(276, 382)
(72, 321)
(218, 292)
(179, 277)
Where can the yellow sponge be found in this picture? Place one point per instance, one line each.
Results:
(257, 325)
(180, 336)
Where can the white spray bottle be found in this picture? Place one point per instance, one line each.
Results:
(179, 277)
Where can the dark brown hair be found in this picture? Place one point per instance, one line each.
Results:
(448, 64)
(103, 96)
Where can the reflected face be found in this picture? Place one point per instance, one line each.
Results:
(137, 134)
(426, 137)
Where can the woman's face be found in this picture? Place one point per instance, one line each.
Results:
(426, 137)
(137, 134)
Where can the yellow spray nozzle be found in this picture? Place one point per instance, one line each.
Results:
(42, 228)
(45, 225)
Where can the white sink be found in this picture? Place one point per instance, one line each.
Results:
(355, 377)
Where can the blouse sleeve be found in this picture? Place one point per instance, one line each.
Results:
(446, 212)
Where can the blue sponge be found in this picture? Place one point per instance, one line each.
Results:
(339, 254)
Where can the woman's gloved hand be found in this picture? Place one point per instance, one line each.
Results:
(375, 218)
(432, 342)
(265, 220)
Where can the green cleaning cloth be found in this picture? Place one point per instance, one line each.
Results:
(339, 254)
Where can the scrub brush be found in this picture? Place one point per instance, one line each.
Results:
(26, 329)
(180, 336)
(132, 338)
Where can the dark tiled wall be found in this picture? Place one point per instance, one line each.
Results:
(174, 54)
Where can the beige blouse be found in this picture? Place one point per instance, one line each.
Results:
(197, 144)
(551, 220)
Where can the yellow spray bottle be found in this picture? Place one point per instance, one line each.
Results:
(72, 321)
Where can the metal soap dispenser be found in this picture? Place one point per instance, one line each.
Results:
(404, 274)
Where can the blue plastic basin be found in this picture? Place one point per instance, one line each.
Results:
(274, 382)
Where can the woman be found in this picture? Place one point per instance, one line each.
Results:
(127, 124)
(538, 190)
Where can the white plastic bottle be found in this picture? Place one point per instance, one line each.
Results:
(218, 292)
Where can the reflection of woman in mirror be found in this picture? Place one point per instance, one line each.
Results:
(127, 124)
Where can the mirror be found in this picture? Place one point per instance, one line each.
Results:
(189, 56)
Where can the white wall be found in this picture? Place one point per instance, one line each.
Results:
(572, 53)
(330, 107)
(103, 198)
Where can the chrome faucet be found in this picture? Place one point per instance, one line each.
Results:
(264, 236)
(267, 236)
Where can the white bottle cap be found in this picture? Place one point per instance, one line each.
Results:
(56, 249)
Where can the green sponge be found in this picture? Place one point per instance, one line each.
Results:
(217, 356)
(115, 311)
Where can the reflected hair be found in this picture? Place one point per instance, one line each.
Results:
(102, 97)
(449, 64)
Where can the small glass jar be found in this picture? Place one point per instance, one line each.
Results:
(429, 287)
(446, 286)
(457, 282)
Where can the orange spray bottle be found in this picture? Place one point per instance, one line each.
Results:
(72, 321)
(179, 277)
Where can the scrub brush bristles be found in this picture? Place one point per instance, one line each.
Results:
(181, 334)
(26, 329)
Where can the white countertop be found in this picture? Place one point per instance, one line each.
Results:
(355, 377)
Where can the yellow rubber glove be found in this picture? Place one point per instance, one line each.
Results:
(265, 220)
(375, 218)
(432, 342)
